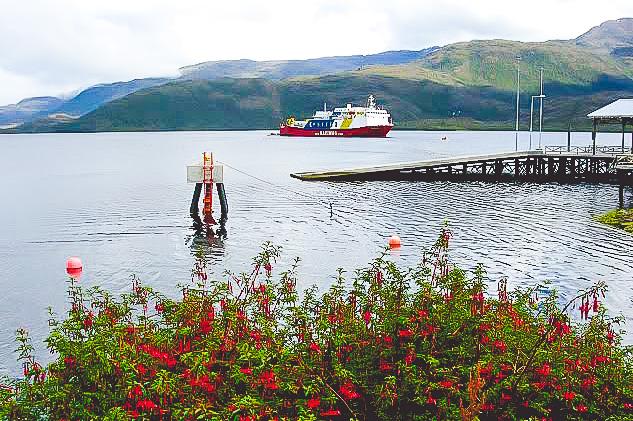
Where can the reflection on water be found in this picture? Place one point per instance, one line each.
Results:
(120, 201)
(206, 240)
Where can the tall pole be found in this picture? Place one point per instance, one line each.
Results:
(531, 119)
(540, 124)
(516, 133)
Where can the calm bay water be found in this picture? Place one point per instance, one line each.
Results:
(120, 201)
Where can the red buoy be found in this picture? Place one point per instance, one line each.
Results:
(74, 267)
(394, 242)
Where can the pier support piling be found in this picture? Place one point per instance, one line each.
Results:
(194, 209)
(224, 204)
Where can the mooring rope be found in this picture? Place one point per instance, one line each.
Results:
(328, 204)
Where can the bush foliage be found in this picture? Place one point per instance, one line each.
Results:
(619, 218)
(426, 343)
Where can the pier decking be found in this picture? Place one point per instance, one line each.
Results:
(558, 165)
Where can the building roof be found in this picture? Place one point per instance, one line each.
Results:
(622, 108)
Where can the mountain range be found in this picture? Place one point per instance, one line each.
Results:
(462, 85)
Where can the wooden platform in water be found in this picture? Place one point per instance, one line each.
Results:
(530, 166)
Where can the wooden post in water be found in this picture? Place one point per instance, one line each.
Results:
(623, 134)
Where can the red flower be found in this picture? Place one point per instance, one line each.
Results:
(160, 307)
(487, 407)
(504, 398)
(628, 405)
(88, 321)
(405, 333)
(135, 392)
(141, 369)
(431, 400)
(246, 370)
(331, 413)
(348, 391)
(69, 361)
(268, 380)
(485, 327)
(379, 277)
(500, 345)
(569, 396)
(446, 384)
(134, 414)
(367, 316)
(315, 347)
(410, 357)
(545, 370)
(313, 403)
(384, 366)
(269, 268)
(145, 405)
(205, 326)
(581, 408)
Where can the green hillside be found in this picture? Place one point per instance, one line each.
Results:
(262, 104)
(493, 64)
(464, 85)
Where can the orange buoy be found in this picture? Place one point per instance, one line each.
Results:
(394, 242)
(74, 267)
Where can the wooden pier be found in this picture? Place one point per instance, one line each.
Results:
(555, 164)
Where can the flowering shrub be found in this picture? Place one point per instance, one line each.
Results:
(426, 343)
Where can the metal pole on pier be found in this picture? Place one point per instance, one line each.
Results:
(540, 124)
(516, 134)
(531, 120)
(593, 136)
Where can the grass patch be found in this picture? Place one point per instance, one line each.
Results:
(619, 218)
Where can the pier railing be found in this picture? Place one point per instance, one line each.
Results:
(585, 150)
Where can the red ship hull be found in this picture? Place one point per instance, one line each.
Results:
(370, 131)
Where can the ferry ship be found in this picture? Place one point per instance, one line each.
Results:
(350, 121)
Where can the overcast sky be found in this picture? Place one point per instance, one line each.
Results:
(54, 47)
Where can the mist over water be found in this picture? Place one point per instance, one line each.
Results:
(121, 202)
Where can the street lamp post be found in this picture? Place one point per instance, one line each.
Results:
(540, 124)
(516, 133)
(531, 113)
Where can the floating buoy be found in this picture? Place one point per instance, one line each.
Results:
(74, 267)
(394, 242)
